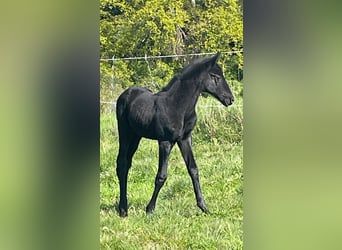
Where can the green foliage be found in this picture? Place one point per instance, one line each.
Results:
(218, 124)
(163, 27)
(134, 28)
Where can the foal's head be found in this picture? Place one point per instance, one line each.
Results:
(214, 82)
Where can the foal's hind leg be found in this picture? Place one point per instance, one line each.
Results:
(164, 152)
(128, 145)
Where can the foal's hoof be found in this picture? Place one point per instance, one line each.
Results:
(123, 213)
(149, 210)
(204, 209)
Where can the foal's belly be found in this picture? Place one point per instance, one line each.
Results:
(151, 122)
(154, 118)
(157, 129)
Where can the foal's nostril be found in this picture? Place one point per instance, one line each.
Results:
(231, 99)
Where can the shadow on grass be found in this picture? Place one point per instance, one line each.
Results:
(134, 207)
(112, 207)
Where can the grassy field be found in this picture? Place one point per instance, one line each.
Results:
(177, 222)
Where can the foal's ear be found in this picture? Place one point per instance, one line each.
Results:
(215, 58)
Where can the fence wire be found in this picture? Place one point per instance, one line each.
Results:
(111, 105)
(169, 56)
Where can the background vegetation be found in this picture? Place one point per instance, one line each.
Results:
(162, 27)
(177, 223)
(157, 28)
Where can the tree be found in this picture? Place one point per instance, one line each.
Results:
(161, 27)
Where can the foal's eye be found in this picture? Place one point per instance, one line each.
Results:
(215, 77)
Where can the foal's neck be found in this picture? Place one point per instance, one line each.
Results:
(184, 94)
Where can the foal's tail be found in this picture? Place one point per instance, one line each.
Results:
(125, 99)
(121, 106)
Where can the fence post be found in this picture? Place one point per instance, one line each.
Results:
(149, 70)
(112, 83)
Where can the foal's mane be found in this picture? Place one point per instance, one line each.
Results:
(187, 72)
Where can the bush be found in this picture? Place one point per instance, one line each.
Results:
(217, 123)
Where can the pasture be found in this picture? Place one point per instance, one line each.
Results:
(177, 222)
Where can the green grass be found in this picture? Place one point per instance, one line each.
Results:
(177, 222)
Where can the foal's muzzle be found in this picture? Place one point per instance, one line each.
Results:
(227, 100)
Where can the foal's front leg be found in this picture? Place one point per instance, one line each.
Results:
(164, 153)
(186, 149)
